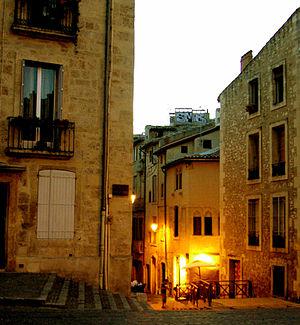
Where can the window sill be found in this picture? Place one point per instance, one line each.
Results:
(278, 105)
(253, 181)
(254, 248)
(42, 33)
(279, 250)
(278, 178)
(250, 116)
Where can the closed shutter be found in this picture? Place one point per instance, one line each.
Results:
(56, 204)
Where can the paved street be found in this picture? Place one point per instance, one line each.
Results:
(41, 315)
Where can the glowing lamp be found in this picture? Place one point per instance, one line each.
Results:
(154, 227)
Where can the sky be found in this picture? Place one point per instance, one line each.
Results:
(188, 51)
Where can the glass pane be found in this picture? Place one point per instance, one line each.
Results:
(47, 93)
(29, 92)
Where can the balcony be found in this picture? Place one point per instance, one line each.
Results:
(54, 19)
(253, 173)
(278, 240)
(253, 239)
(278, 169)
(33, 137)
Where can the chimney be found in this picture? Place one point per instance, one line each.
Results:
(245, 59)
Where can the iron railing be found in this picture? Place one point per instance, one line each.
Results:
(278, 169)
(60, 16)
(37, 137)
(253, 173)
(208, 290)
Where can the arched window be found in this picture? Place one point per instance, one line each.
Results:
(208, 224)
(56, 200)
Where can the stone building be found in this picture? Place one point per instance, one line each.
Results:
(65, 125)
(260, 167)
(192, 149)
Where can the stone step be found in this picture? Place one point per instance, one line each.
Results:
(64, 293)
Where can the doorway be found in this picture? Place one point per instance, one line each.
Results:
(234, 275)
(153, 274)
(278, 280)
(3, 223)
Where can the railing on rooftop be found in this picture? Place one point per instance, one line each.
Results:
(33, 137)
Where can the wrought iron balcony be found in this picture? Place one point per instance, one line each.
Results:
(278, 169)
(278, 240)
(253, 173)
(33, 137)
(47, 18)
(253, 239)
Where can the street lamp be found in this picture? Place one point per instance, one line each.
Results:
(154, 226)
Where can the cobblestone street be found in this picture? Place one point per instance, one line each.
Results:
(29, 315)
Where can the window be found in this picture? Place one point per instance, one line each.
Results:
(42, 99)
(137, 228)
(253, 222)
(178, 182)
(207, 144)
(253, 156)
(278, 151)
(252, 106)
(184, 149)
(208, 225)
(279, 222)
(150, 197)
(162, 190)
(176, 222)
(278, 84)
(197, 226)
(154, 186)
(46, 18)
(56, 199)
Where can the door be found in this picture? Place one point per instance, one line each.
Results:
(234, 275)
(278, 281)
(3, 223)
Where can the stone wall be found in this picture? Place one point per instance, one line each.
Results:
(83, 103)
(236, 124)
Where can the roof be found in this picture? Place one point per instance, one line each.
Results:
(212, 155)
(181, 137)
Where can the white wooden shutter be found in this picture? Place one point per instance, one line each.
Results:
(58, 217)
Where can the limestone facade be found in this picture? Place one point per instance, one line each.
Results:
(93, 94)
(259, 168)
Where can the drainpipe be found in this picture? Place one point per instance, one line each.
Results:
(105, 152)
(165, 220)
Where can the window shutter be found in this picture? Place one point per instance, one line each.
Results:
(43, 204)
(56, 204)
(62, 200)
(22, 88)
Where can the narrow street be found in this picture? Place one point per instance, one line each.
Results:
(29, 315)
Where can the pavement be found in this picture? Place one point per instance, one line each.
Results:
(50, 290)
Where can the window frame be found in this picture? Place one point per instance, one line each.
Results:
(258, 222)
(285, 175)
(255, 80)
(286, 216)
(196, 225)
(250, 134)
(275, 104)
(58, 86)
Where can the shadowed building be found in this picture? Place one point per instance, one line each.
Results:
(66, 124)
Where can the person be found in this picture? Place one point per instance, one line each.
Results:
(163, 295)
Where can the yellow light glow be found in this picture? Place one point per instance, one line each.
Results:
(182, 264)
(132, 197)
(209, 259)
(154, 227)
